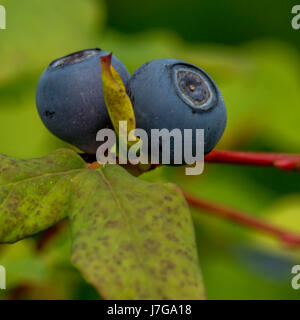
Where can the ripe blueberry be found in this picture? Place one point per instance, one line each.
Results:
(169, 93)
(70, 99)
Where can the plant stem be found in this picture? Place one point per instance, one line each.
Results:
(287, 162)
(245, 219)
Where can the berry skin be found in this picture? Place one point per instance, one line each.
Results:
(169, 93)
(70, 99)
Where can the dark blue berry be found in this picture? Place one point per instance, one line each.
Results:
(70, 99)
(169, 93)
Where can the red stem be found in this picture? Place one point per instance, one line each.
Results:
(244, 219)
(287, 162)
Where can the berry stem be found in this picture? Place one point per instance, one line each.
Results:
(287, 162)
(245, 219)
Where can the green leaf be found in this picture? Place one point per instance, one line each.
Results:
(133, 239)
(34, 193)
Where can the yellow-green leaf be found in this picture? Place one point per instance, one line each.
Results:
(118, 103)
(34, 193)
(133, 239)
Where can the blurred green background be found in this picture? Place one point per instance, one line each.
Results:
(251, 51)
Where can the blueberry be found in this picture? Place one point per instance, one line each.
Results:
(70, 99)
(169, 93)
